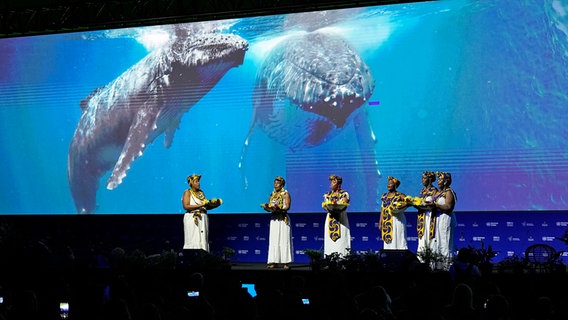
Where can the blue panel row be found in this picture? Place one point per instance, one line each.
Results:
(507, 233)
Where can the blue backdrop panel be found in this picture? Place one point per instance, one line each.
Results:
(507, 233)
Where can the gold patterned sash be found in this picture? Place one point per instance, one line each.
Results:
(337, 197)
(432, 231)
(334, 228)
(420, 224)
(386, 225)
(198, 198)
(196, 217)
(428, 191)
(391, 205)
(277, 198)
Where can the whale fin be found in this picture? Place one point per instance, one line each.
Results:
(121, 119)
(135, 144)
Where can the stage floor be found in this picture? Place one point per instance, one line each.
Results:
(256, 266)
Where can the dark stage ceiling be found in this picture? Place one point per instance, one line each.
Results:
(32, 17)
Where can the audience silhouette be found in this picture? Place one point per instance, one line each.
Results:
(461, 306)
(102, 281)
(463, 269)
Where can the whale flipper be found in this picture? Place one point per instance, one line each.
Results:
(122, 118)
(133, 148)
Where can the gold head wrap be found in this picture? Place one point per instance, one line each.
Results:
(395, 181)
(445, 176)
(429, 174)
(335, 177)
(279, 178)
(193, 177)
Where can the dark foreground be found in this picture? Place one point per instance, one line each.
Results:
(160, 291)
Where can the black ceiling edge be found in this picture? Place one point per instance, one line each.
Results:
(25, 18)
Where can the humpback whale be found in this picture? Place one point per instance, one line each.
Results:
(308, 88)
(121, 118)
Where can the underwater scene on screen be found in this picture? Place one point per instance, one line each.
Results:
(114, 121)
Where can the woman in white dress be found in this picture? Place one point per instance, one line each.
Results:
(337, 236)
(445, 201)
(392, 221)
(195, 220)
(280, 249)
(426, 220)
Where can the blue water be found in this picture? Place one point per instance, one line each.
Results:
(475, 88)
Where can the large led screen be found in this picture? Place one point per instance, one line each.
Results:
(113, 121)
